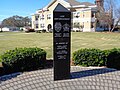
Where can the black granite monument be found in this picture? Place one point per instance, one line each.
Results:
(61, 42)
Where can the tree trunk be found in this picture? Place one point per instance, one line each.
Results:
(109, 28)
(95, 24)
(113, 28)
(115, 25)
(1, 30)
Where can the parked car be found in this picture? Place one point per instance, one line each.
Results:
(29, 30)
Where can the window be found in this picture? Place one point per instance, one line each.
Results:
(36, 18)
(49, 16)
(76, 14)
(41, 17)
(76, 25)
(93, 14)
(42, 25)
(37, 26)
(92, 25)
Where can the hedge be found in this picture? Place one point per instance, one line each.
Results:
(21, 59)
(90, 57)
(97, 57)
(113, 59)
(0, 59)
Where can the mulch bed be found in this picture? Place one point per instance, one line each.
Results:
(49, 64)
(1, 71)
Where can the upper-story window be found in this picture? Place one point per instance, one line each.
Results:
(93, 14)
(37, 17)
(42, 17)
(49, 16)
(76, 14)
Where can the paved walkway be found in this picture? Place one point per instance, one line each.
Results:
(82, 78)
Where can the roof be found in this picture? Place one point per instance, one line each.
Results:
(73, 2)
(87, 3)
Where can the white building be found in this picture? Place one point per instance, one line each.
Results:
(83, 15)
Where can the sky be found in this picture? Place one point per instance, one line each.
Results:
(23, 8)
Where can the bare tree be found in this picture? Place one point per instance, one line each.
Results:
(109, 9)
(117, 18)
(108, 14)
(113, 11)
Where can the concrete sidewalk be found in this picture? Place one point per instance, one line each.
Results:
(82, 78)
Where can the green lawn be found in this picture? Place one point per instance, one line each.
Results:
(11, 40)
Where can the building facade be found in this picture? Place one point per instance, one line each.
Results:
(83, 15)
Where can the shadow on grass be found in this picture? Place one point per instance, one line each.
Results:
(92, 72)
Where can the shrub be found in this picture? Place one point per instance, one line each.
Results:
(113, 60)
(90, 57)
(21, 59)
(43, 31)
(38, 31)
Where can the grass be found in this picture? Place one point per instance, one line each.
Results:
(98, 40)
(11, 40)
